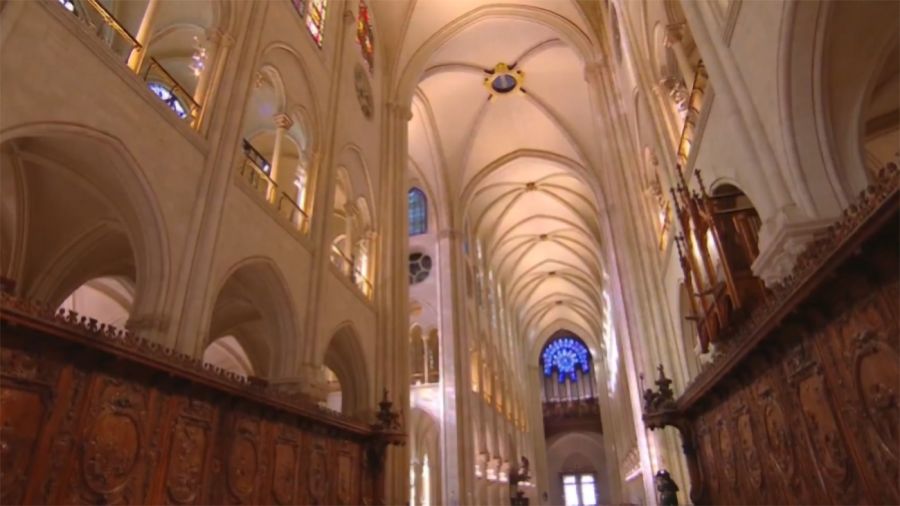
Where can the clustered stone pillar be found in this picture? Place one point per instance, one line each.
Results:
(136, 59)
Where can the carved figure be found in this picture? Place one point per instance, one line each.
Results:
(666, 489)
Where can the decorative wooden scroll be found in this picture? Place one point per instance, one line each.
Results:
(803, 407)
(93, 415)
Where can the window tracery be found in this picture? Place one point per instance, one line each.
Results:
(568, 356)
(568, 375)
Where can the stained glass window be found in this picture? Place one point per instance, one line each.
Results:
(165, 94)
(69, 5)
(418, 212)
(365, 35)
(300, 6)
(315, 19)
(567, 355)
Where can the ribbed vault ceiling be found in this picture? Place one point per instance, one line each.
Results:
(515, 166)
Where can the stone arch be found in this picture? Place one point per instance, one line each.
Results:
(424, 430)
(253, 304)
(822, 130)
(344, 355)
(104, 219)
(571, 448)
(295, 72)
(351, 158)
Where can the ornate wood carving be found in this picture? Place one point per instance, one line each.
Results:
(804, 405)
(93, 415)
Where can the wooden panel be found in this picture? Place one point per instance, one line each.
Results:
(804, 405)
(89, 415)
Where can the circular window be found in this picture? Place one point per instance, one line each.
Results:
(419, 267)
(504, 83)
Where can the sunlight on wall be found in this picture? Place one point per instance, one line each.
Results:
(426, 483)
(612, 347)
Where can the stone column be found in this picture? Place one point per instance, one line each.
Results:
(673, 40)
(634, 313)
(136, 58)
(426, 370)
(391, 286)
(211, 78)
(457, 428)
(282, 123)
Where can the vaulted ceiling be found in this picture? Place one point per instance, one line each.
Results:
(517, 167)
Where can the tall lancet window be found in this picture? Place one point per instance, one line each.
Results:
(365, 35)
(315, 19)
(567, 368)
(418, 212)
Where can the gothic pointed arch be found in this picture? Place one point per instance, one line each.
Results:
(344, 356)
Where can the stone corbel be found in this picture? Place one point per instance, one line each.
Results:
(780, 243)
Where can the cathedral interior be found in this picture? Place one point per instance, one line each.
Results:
(449, 252)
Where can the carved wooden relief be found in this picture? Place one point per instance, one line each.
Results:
(189, 452)
(346, 476)
(83, 426)
(21, 419)
(242, 464)
(112, 442)
(804, 408)
(748, 447)
(286, 467)
(317, 475)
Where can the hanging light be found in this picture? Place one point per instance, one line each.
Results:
(198, 58)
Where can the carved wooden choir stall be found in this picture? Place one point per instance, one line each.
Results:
(93, 415)
(802, 405)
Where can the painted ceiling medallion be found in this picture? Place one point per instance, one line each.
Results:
(503, 80)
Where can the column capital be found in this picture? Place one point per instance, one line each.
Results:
(401, 110)
(282, 120)
(674, 34)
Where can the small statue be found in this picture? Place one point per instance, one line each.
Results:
(524, 474)
(666, 488)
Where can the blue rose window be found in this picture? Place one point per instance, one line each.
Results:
(567, 355)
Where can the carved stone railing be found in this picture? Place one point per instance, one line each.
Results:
(802, 404)
(93, 414)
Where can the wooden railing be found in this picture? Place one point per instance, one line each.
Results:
(95, 415)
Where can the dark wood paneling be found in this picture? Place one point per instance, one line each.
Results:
(804, 405)
(87, 416)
